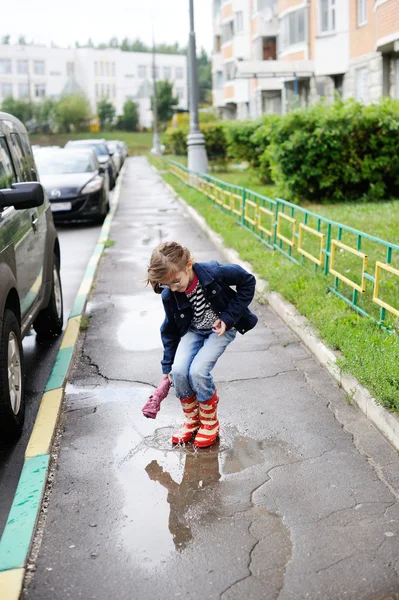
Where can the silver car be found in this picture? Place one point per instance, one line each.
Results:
(30, 284)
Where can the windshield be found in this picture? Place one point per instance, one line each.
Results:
(60, 163)
(99, 149)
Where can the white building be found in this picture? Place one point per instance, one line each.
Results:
(38, 71)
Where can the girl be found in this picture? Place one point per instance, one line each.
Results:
(202, 317)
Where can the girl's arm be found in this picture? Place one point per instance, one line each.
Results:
(170, 340)
(245, 288)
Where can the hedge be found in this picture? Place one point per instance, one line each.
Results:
(329, 152)
(339, 152)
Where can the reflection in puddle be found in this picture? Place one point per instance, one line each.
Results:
(163, 485)
(139, 329)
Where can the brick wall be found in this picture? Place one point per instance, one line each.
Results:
(361, 39)
(294, 56)
(227, 11)
(227, 51)
(285, 4)
(387, 19)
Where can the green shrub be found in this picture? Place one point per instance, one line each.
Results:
(239, 135)
(176, 141)
(338, 152)
(260, 141)
(215, 141)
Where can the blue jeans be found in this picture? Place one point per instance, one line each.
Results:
(195, 358)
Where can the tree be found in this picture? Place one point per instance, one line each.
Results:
(106, 111)
(21, 109)
(71, 111)
(204, 72)
(5, 39)
(130, 118)
(166, 101)
(22, 40)
(45, 113)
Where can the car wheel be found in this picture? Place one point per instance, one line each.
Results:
(50, 320)
(12, 405)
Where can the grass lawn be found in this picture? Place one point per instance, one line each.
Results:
(370, 354)
(138, 143)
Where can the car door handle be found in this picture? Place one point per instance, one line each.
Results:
(35, 221)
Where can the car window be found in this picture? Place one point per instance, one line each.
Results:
(62, 163)
(29, 156)
(21, 163)
(7, 175)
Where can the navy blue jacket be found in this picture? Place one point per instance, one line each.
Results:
(230, 305)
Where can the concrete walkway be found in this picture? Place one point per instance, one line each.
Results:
(298, 500)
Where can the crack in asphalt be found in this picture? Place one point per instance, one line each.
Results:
(90, 363)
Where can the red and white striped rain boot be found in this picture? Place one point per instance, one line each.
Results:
(191, 423)
(209, 430)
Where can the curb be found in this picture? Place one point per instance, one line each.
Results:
(386, 422)
(18, 533)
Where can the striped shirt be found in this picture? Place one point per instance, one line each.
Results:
(203, 315)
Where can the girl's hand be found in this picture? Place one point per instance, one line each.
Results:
(219, 327)
(168, 377)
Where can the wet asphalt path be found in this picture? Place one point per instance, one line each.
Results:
(77, 244)
(299, 499)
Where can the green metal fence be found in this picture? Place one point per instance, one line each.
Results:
(361, 269)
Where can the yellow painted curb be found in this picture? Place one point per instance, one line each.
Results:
(45, 424)
(85, 287)
(11, 584)
(94, 260)
(71, 333)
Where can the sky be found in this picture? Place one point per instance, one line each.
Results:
(67, 21)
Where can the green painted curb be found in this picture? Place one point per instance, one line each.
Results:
(90, 272)
(78, 306)
(60, 369)
(18, 532)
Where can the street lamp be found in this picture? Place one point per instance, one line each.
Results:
(197, 158)
(156, 146)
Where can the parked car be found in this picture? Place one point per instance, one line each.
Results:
(76, 183)
(30, 283)
(103, 155)
(115, 151)
(121, 147)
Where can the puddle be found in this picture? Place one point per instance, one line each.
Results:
(139, 329)
(163, 484)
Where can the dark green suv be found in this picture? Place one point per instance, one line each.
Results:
(30, 285)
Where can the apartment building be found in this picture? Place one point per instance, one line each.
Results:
(36, 72)
(273, 55)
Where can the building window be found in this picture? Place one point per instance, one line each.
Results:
(180, 93)
(216, 8)
(218, 43)
(229, 71)
(23, 90)
(179, 73)
(361, 84)
(97, 90)
(5, 65)
(6, 90)
(40, 90)
(239, 22)
(70, 68)
(327, 16)
(113, 70)
(339, 84)
(361, 12)
(167, 73)
(142, 71)
(106, 71)
(38, 67)
(96, 68)
(227, 32)
(292, 28)
(157, 72)
(219, 80)
(101, 72)
(22, 67)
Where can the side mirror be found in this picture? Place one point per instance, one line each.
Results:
(102, 168)
(110, 152)
(22, 195)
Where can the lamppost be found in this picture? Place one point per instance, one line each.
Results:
(156, 146)
(197, 158)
